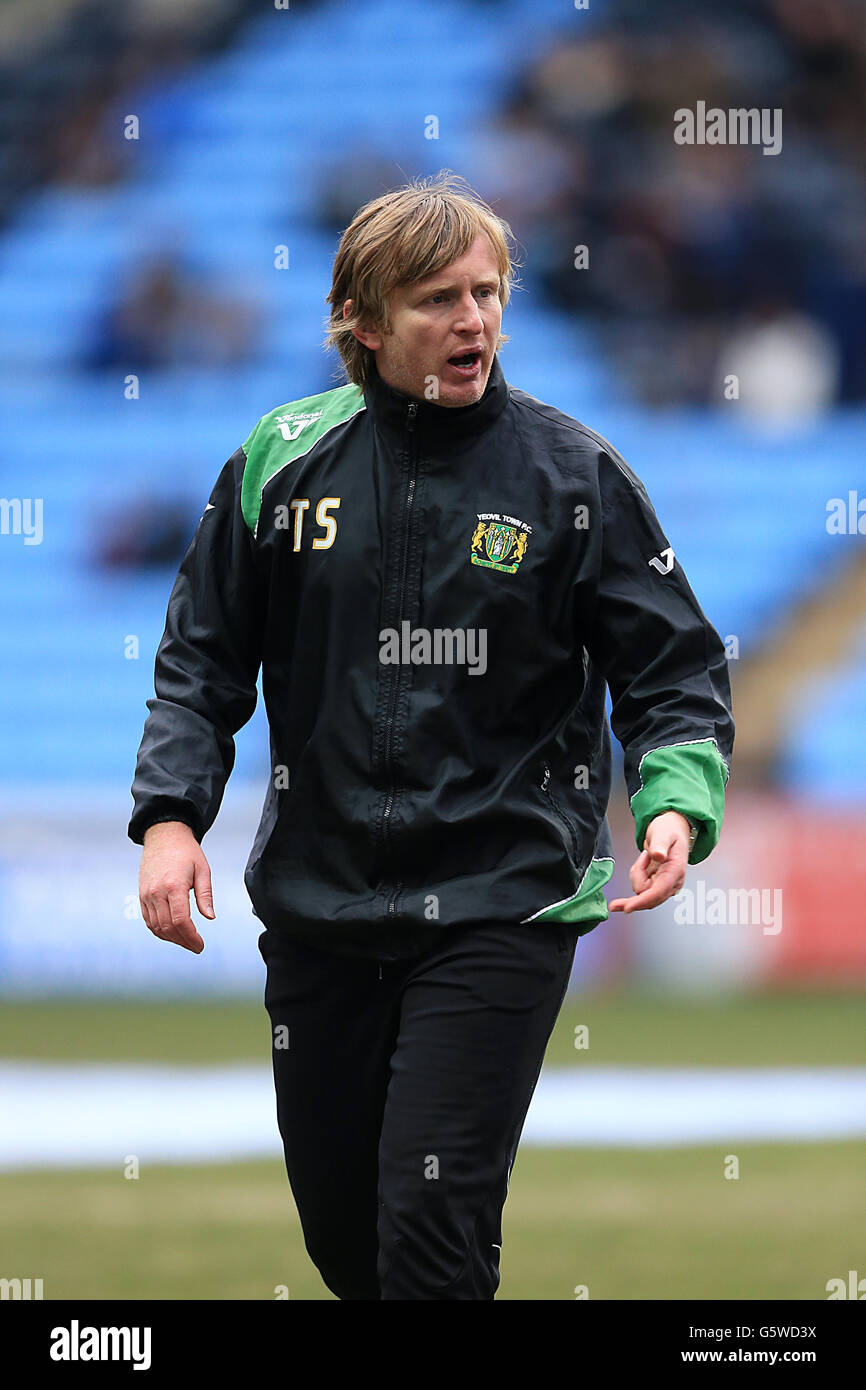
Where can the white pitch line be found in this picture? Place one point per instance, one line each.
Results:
(57, 1115)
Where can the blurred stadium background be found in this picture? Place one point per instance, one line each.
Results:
(155, 157)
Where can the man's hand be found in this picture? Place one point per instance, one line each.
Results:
(172, 862)
(660, 871)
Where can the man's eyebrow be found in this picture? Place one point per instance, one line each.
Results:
(493, 281)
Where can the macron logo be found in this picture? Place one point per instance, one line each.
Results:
(76, 1343)
(665, 564)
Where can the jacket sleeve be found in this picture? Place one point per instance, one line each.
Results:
(665, 665)
(206, 668)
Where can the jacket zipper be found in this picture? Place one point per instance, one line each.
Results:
(411, 412)
(558, 811)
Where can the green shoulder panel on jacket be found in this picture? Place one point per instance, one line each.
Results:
(685, 777)
(287, 433)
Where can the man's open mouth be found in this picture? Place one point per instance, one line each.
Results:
(466, 359)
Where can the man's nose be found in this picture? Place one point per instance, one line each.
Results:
(469, 316)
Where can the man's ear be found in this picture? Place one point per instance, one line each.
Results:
(370, 340)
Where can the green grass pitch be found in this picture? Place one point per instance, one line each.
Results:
(625, 1223)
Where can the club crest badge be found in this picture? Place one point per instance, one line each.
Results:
(499, 542)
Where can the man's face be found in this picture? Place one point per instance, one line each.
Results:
(450, 314)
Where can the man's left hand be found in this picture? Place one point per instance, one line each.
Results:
(660, 871)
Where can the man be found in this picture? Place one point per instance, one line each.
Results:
(437, 574)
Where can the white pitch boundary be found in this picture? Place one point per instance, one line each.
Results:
(57, 1115)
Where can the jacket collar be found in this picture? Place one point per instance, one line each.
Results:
(435, 423)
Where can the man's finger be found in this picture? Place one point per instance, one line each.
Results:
(180, 932)
(638, 875)
(183, 931)
(653, 897)
(185, 936)
(667, 880)
(658, 846)
(162, 912)
(152, 919)
(178, 906)
(643, 872)
(203, 889)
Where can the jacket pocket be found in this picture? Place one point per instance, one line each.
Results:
(268, 825)
(559, 813)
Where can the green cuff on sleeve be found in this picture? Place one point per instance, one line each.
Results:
(685, 777)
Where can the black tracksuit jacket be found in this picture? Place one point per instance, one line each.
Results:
(436, 598)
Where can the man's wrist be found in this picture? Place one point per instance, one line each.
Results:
(694, 829)
(693, 825)
(170, 823)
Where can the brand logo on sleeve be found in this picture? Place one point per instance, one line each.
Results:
(499, 542)
(290, 426)
(665, 564)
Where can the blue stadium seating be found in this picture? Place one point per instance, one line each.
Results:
(232, 161)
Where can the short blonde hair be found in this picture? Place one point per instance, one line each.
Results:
(400, 238)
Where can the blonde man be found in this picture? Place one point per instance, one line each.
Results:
(438, 575)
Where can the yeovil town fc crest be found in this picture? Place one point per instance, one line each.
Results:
(499, 542)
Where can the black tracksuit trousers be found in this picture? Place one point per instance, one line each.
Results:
(402, 1087)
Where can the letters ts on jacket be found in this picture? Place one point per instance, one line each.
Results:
(436, 599)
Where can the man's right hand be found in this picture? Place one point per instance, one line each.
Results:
(173, 862)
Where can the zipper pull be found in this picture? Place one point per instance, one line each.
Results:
(412, 411)
(546, 779)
